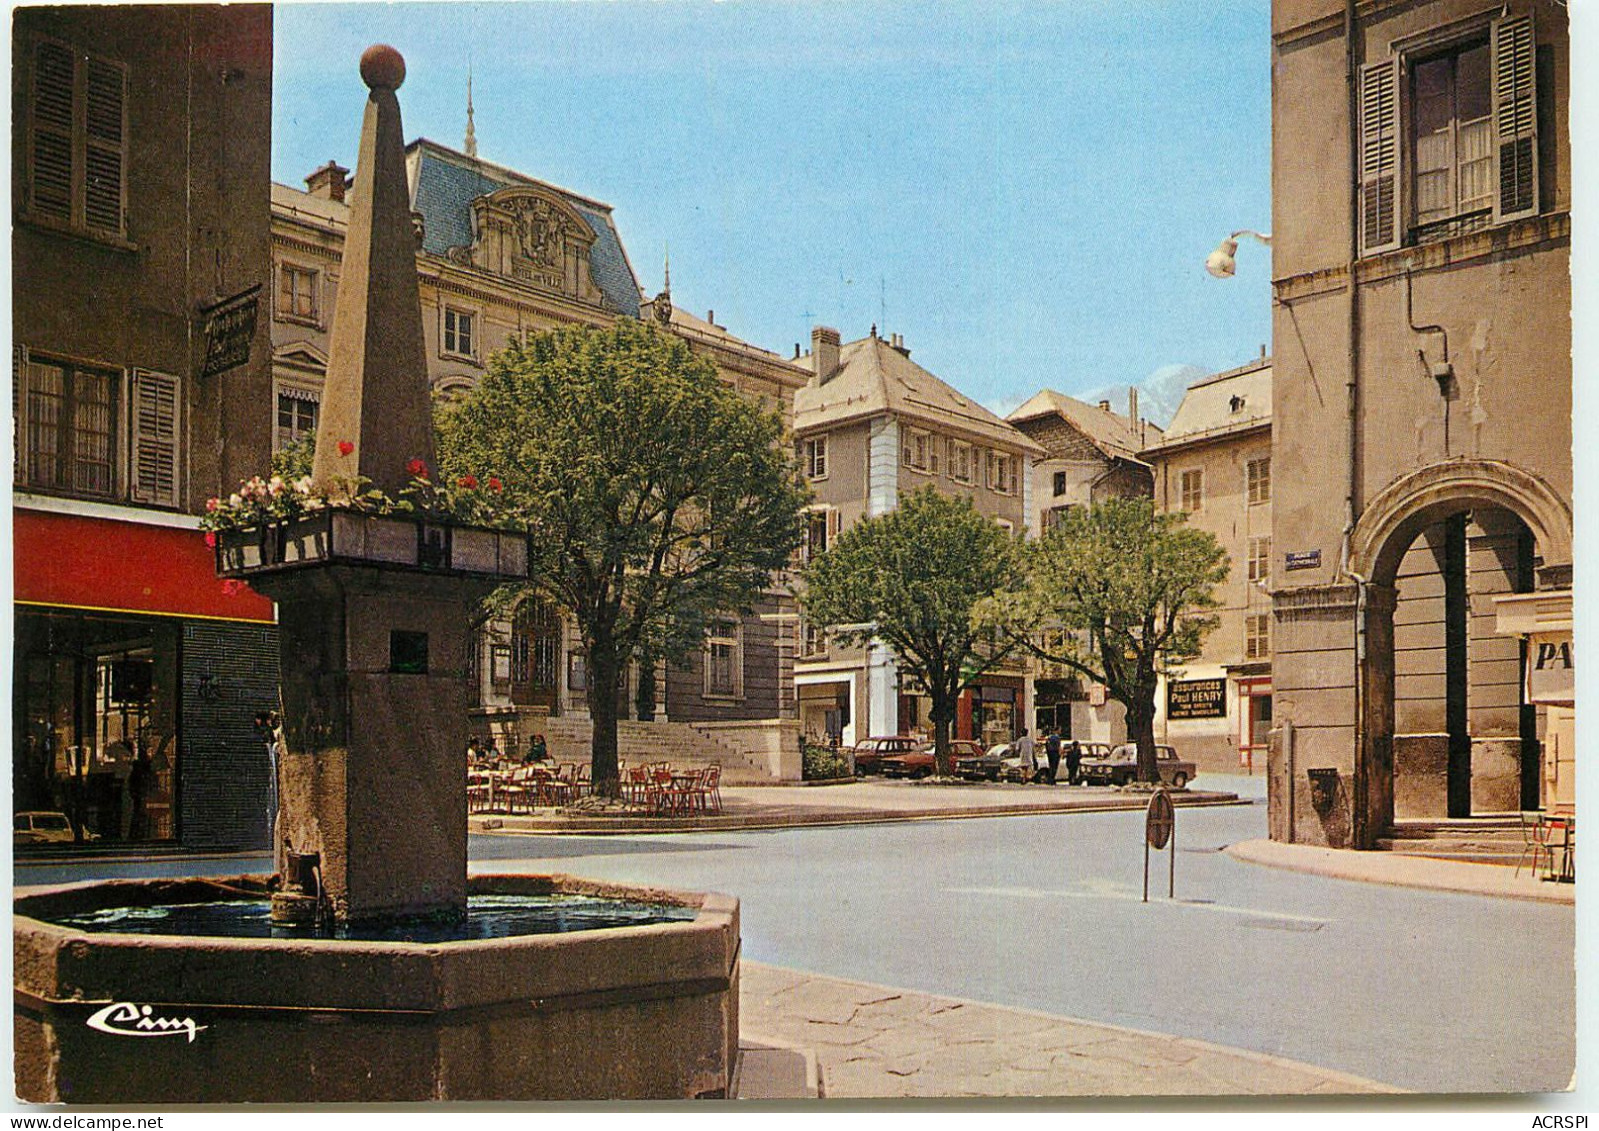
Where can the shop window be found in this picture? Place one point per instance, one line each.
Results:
(1257, 476)
(77, 140)
(724, 659)
(1449, 135)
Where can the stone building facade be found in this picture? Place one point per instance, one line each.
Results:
(1421, 412)
(502, 254)
(141, 386)
(1214, 465)
(869, 426)
(1091, 454)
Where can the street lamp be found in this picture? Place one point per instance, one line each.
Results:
(1221, 263)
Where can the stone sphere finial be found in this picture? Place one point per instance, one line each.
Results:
(382, 67)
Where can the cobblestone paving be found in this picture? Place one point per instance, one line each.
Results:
(873, 1041)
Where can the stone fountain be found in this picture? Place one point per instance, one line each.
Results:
(374, 619)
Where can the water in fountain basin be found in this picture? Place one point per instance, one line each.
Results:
(487, 917)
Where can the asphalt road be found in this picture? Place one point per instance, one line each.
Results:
(1429, 991)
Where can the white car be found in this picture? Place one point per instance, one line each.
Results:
(44, 827)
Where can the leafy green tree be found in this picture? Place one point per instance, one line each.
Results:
(912, 578)
(1126, 590)
(658, 498)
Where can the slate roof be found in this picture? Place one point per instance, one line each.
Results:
(444, 182)
(1113, 434)
(875, 378)
(1219, 405)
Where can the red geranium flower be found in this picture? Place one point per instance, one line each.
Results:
(467, 481)
(345, 447)
(232, 587)
(418, 468)
(494, 483)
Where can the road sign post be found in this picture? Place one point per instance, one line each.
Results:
(1160, 827)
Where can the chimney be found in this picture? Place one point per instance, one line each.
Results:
(1104, 406)
(328, 182)
(1132, 405)
(897, 341)
(824, 353)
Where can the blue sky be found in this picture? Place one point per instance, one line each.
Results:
(1025, 191)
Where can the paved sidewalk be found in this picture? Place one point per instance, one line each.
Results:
(874, 1041)
(1403, 870)
(861, 802)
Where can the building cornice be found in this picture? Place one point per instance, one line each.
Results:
(1214, 435)
(82, 508)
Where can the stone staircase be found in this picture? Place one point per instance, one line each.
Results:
(680, 744)
(1490, 839)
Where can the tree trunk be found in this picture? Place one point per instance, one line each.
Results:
(605, 668)
(644, 700)
(943, 715)
(1141, 730)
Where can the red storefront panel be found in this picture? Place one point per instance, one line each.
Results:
(97, 563)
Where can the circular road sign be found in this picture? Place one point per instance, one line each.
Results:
(1159, 820)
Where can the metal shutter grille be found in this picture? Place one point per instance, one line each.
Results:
(155, 438)
(103, 147)
(1516, 117)
(1379, 156)
(51, 148)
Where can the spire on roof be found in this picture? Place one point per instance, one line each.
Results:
(470, 148)
(663, 301)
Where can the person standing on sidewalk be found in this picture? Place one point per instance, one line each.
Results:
(1074, 761)
(1052, 754)
(1024, 750)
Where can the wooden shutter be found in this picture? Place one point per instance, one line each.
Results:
(104, 153)
(50, 145)
(155, 438)
(1379, 156)
(1515, 111)
(19, 375)
(835, 521)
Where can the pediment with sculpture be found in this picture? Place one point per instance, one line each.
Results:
(533, 236)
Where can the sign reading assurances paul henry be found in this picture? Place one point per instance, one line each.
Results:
(1196, 699)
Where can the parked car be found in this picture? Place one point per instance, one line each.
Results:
(1013, 765)
(985, 764)
(1120, 766)
(42, 827)
(922, 763)
(869, 753)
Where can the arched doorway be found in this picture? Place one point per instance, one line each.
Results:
(1444, 730)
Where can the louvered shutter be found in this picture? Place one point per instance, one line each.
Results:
(104, 156)
(835, 520)
(19, 374)
(155, 438)
(50, 146)
(1515, 109)
(1379, 156)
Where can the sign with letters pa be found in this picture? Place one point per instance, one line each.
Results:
(1196, 699)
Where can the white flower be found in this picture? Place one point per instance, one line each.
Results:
(303, 485)
(235, 501)
(275, 486)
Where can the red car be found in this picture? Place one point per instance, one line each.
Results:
(921, 763)
(869, 753)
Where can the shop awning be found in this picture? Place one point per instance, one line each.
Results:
(85, 562)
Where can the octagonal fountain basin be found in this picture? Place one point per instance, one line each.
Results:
(555, 988)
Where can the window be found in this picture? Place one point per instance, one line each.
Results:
(77, 140)
(1257, 636)
(918, 451)
(1060, 484)
(813, 640)
(816, 458)
(1449, 136)
(298, 289)
(1192, 490)
(821, 528)
(1006, 525)
(458, 332)
(724, 659)
(297, 416)
(1260, 558)
(577, 671)
(1001, 473)
(960, 461)
(1257, 478)
(69, 422)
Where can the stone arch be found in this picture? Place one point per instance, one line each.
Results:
(1413, 502)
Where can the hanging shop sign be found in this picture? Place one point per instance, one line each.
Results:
(229, 330)
(1551, 669)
